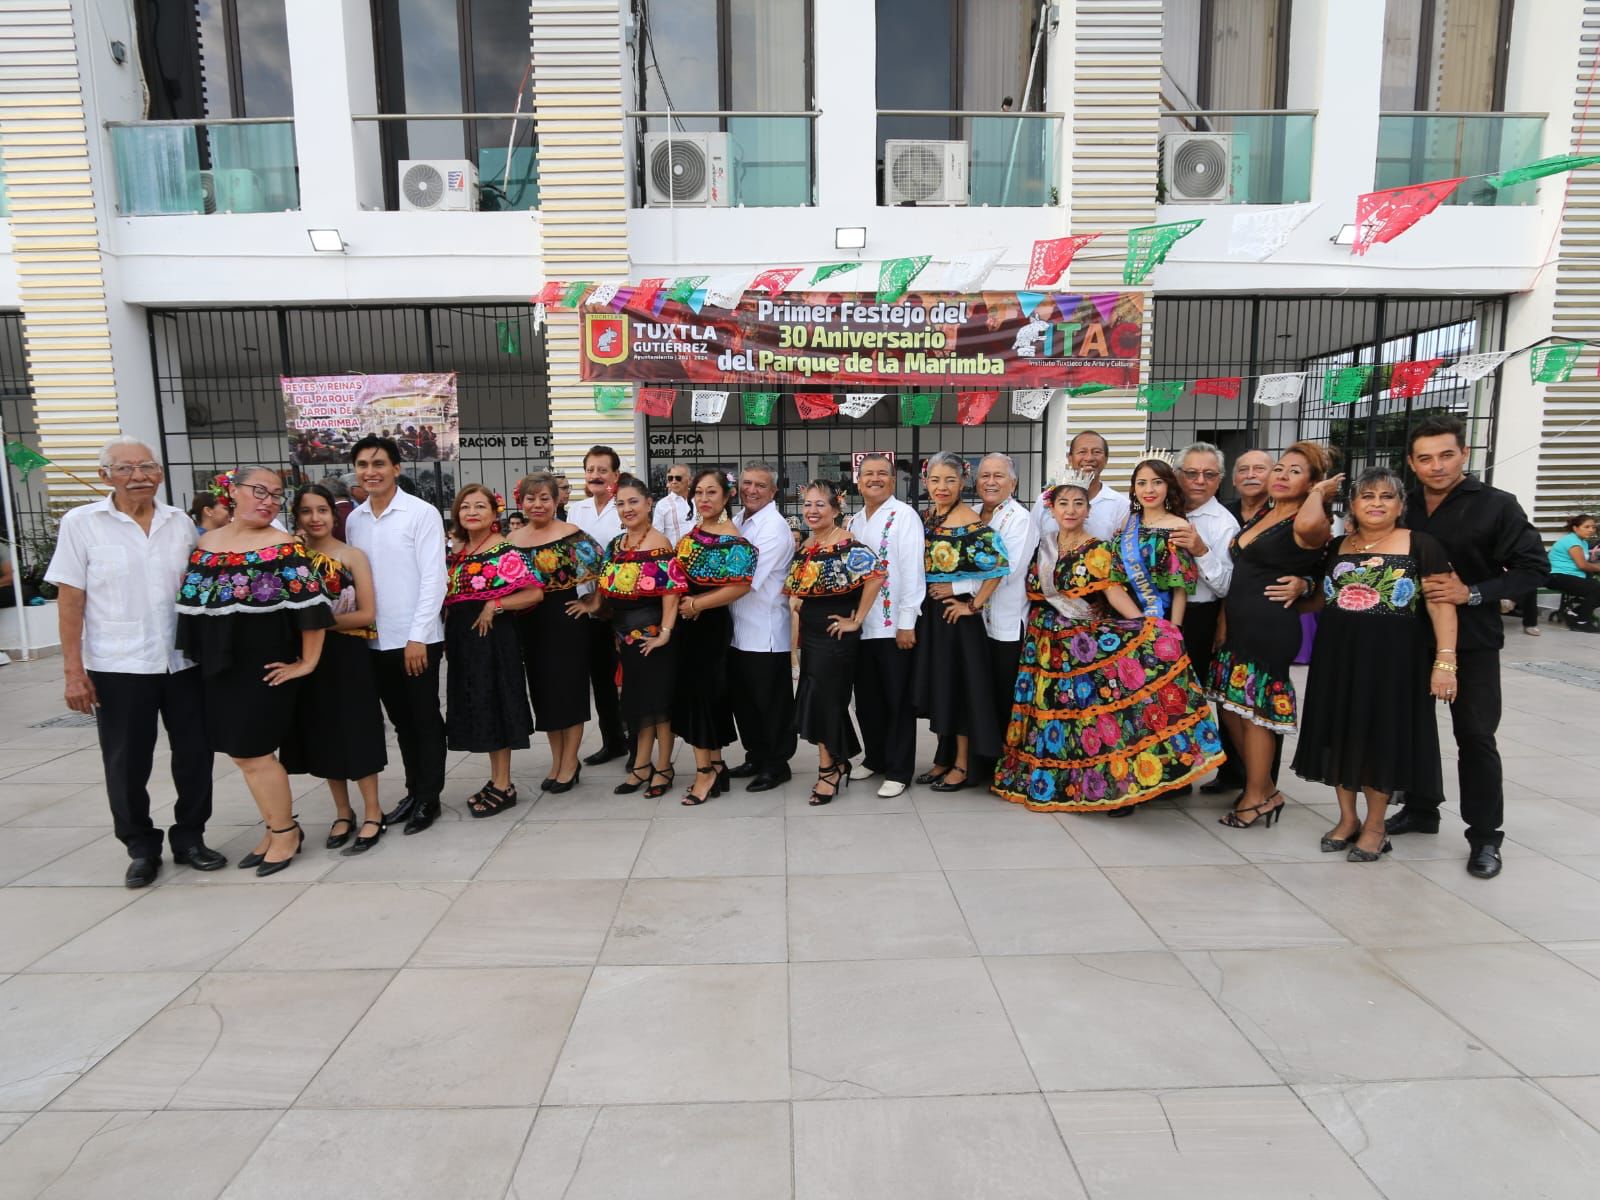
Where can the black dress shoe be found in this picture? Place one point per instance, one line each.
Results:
(402, 812)
(1410, 820)
(362, 844)
(932, 775)
(1484, 863)
(427, 812)
(604, 755)
(556, 787)
(142, 872)
(201, 857)
(766, 781)
(744, 770)
(942, 783)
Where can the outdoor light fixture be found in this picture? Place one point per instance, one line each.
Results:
(850, 237)
(1345, 237)
(326, 241)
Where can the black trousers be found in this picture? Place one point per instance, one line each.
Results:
(126, 718)
(412, 704)
(1475, 717)
(1585, 590)
(763, 709)
(1003, 659)
(886, 709)
(603, 679)
(1199, 641)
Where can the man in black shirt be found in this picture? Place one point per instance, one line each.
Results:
(1494, 554)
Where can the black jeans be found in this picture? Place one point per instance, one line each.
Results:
(1586, 593)
(603, 679)
(126, 719)
(1475, 717)
(412, 704)
(885, 708)
(764, 708)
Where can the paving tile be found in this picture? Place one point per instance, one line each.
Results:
(34, 921)
(234, 841)
(849, 844)
(96, 860)
(1579, 1093)
(567, 850)
(1197, 908)
(1048, 912)
(454, 850)
(911, 915)
(26, 851)
(346, 926)
(699, 920)
(19, 799)
(1153, 837)
(1012, 838)
(1538, 897)
(722, 846)
(1386, 907)
(1580, 954)
(523, 923)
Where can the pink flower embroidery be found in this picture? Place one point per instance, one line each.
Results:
(1110, 731)
(1090, 740)
(1131, 673)
(479, 583)
(1358, 597)
(267, 553)
(1167, 649)
(513, 567)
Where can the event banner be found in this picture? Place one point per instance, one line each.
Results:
(852, 340)
(327, 414)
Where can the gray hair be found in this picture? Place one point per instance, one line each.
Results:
(1205, 448)
(1011, 466)
(875, 457)
(122, 443)
(949, 458)
(1377, 476)
(756, 464)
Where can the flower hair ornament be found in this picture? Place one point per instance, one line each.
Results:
(221, 486)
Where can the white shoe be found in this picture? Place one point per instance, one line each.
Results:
(861, 771)
(889, 788)
(1532, 631)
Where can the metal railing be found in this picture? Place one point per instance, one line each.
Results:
(221, 165)
(1415, 147)
(742, 158)
(992, 157)
(503, 146)
(1268, 152)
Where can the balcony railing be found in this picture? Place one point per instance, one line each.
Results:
(237, 165)
(1266, 155)
(1418, 147)
(985, 159)
(506, 158)
(714, 159)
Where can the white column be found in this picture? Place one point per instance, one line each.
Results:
(331, 62)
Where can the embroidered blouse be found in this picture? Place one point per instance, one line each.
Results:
(832, 570)
(640, 574)
(961, 552)
(711, 560)
(254, 581)
(339, 582)
(1382, 585)
(567, 562)
(490, 574)
(1156, 569)
(1092, 567)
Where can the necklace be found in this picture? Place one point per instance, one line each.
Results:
(1376, 541)
(1083, 540)
(472, 549)
(627, 548)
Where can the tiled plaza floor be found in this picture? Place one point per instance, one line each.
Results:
(940, 997)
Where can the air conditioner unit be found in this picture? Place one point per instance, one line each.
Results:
(232, 189)
(1197, 168)
(924, 172)
(438, 185)
(686, 170)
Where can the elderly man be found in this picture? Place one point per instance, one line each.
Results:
(596, 515)
(1108, 508)
(118, 565)
(1250, 473)
(674, 514)
(764, 710)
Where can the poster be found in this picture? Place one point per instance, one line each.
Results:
(851, 340)
(327, 414)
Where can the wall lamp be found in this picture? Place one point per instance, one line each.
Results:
(850, 237)
(326, 241)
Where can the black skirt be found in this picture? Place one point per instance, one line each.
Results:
(827, 672)
(951, 680)
(338, 727)
(555, 656)
(702, 706)
(246, 717)
(486, 695)
(647, 682)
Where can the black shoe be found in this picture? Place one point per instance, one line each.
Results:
(744, 770)
(943, 784)
(335, 840)
(1409, 820)
(933, 775)
(555, 786)
(427, 812)
(604, 755)
(142, 872)
(200, 856)
(362, 844)
(272, 867)
(401, 812)
(1484, 863)
(767, 780)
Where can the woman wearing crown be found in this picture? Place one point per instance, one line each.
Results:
(1161, 576)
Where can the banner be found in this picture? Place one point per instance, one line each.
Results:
(859, 404)
(850, 341)
(1473, 367)
(1149, 245)
(1284, 388)
(1050, 258)
(813, 406)
(327, 414)
(655, 401)
(1260, 235)
(1225, 386)
(973, 407)
(1553, 363)
(707, 408)
(1346, 385)
(1384, 216)
(1409, 378)
(1030, 402)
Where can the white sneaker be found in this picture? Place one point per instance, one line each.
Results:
(1532, 631)
(889, 788)
(861, 771)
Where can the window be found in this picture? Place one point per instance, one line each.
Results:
(214, 58)
(1225, 54)
(1445, 55)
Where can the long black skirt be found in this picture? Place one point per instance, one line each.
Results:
(827, 673)
(702, 707)
(555, 656)
(246, 717)
(338, 727)
(647, 681)
(486, 695)
(951, 681)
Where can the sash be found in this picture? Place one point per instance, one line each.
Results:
(1152, 599)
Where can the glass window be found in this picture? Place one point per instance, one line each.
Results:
(1224, 54)
(1443, 56)
(214, 58)
(678, 55)
(766, 54)
(264, 60)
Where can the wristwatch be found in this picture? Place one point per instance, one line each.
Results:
(1474, 597)
(497, 608)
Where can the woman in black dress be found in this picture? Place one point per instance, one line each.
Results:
(719, 565)
(555, 641)
(641, 583)
(486, 710)
(338, 734)
(1369, 722)
(252, 615)
(1258, 635)
(832, 583)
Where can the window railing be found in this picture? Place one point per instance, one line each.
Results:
(506, 159)
(717, 159)
(993, 159)
(1248, 157)
(234, 165)
(1418, 147)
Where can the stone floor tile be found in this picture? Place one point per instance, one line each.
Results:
(97, 860)
(677, 1034)
(1202, 908)
(1152, 837)
(26, 851)
(1538, 897)
(734, 803)
(314, 862)
(1579, 1093)
(1386, 907)
(567, 850)
(34, 921)
(846, 844)
(333, 926)
(587, 803)
(19, 799)
(1048, 912)
(722, 846)
(454, 850)
(1295, 837)
(1012, 838)
(1092, 1021)
(859, 798)
(1550, 774)
(1580, 954)
(911, 915)
(723, 919)
(523, 923)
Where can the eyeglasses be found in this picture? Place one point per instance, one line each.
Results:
(129, 470)
(1192, 473)
(261, 493)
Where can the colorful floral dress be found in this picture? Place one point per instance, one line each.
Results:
(1106, 712)
(237, 612)
(633, 584)
(555, 645)
(1369, 718)
(1156, 569)
(486, 696)
(702, 709)
(828, 581)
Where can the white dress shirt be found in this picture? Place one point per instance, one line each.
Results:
(129, 580)
(1008, 603)
(601, 525)
(761, 615)
(1216, 527)
(673, 516)
(1108, 509)
(406, 549)
(901, 551)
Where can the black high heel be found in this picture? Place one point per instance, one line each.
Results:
(1268, 813)
(690, 800)
(268, 866)
(656, 790)
(256, 858)
(632, 785)
(362, 844)
(722, 784)
(336, 840)
(556, 786)
(838, 775)
(1357, 854)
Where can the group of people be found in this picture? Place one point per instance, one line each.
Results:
(1103, 650)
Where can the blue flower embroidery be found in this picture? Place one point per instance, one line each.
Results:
(1084, 688)
(1055, 736)
(1404, 591)
(1206, 731)
(1110, 641)
(1041, 786)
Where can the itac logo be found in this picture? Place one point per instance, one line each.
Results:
(455, 181)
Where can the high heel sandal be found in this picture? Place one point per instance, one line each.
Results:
(492, 800)
(722, 784)
(362, 844)
(656, 790)
(690, 799)
(268, 866)
(631, 785)
(1268, 813)
(838, 776)
(336, 840)
(1357, 854)
(256, 857)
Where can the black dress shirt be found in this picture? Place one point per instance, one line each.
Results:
(1492, 547)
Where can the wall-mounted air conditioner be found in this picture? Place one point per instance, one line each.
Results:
(232, 189)
(686, 170)
(1197, 168)
(924, 172)
(438, 185)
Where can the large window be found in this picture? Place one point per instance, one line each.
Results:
(1445, 55)
(1225, 54)
(214, 58)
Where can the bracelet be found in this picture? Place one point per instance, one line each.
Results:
(1445, 650)
(1444, 666)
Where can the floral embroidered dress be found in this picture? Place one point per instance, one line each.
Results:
(486, 694)
(1369, 720)
(950, 674)
(555, 644)
(633, 584)
(828, 582)
(1156, 569)
(702, 709)
(1107, 712)
(237, 612)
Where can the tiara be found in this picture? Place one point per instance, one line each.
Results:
(1171, 457)
(1077, 479)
